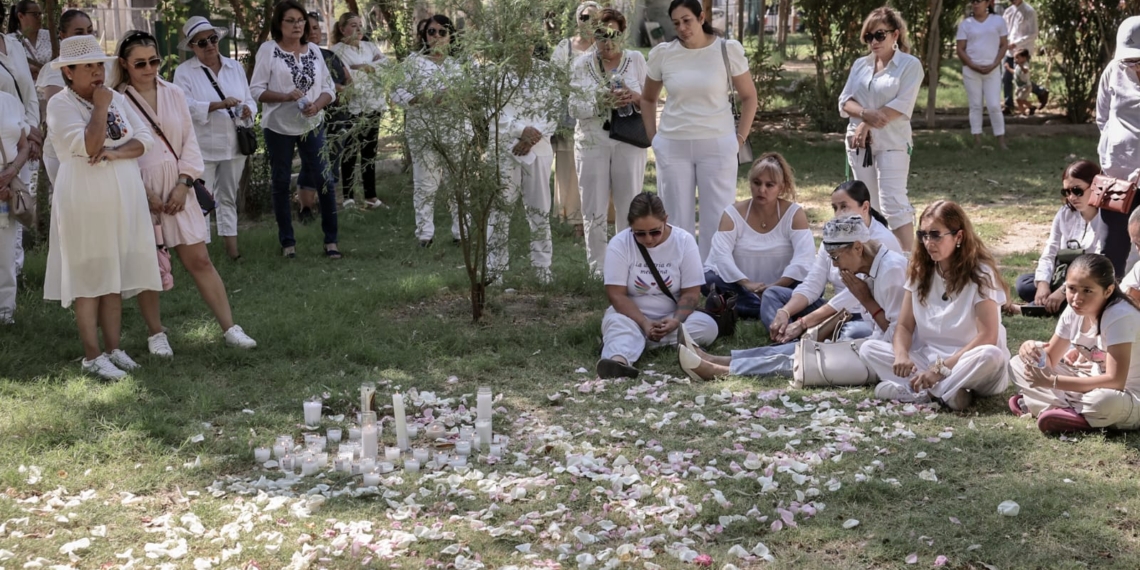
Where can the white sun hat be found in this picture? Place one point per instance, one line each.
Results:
(195, 26)
(1128, 39)
(80, 49)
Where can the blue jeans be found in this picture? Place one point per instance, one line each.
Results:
(314, 174)
(775, 298)
(778, 359)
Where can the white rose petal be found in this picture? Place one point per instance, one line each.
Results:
(1009, 509)
(739, 552)
(850, 523)
(761, 551)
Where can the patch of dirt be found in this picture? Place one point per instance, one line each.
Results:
(516, 308)
(1020, 237)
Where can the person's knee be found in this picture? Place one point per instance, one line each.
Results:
(196, 259)
(1112, 405)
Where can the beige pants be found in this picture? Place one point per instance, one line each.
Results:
(567, 203)
(1103, 408)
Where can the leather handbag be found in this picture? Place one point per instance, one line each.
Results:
(721, 306)
(829, 329)
(22, 203)
(744, 155)
(830, 364)
(246, 136)
(205, 198)
(629, 129)
(1112, 194)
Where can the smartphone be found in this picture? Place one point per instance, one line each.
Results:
(1035, 311)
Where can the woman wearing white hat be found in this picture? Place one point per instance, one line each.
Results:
(102, 244)
(1118, 117)
(219, 98)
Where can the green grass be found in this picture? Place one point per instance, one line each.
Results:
(393, 313)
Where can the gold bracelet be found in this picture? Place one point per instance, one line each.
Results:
(1054, 381)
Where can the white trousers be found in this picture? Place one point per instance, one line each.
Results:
(886, 178)
(532, 183)
(983, 370)
(29, 175)
(1102, 408)
(567, 203)
(684, 168)
(607, 169)
(622, 337)
(222, 178)
(8, 270)
(984, 89)
(427, 174)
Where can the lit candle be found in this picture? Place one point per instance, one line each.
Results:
(369, 436)
(436, 431)
(441, 458)
(483, 427)
(334, 435)
(279, 450)
(287, 463)
(421, 454)
(353, 433)
(411, 466)
(401, 421)
(413, 431)
(463, 447)
(312, 412)
(385, 467)
(458, 462)
(261, 454)
(322, 460)
(367, 389)
(371, 479)
(342, 465)
(308, 467)
(676, 457)
(392, 454)
(483, 403)
(466, 433)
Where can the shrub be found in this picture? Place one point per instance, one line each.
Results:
(1082, 39)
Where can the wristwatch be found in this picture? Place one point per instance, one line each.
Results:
(189, 182)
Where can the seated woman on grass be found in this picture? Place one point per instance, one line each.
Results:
(1088, 375)
(949, 343)
(878, 295)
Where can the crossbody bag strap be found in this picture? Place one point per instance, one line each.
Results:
(15, 82)
(653, 269)
(728, 73)
(219, 90)
(157, 129)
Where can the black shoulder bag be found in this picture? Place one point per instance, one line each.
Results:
(629, 129)
(246, 136)
(205, 198)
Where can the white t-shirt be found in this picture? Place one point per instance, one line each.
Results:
(983, 39)
(944, 327)
(1120, 324)
(12, 124)
(364, 95)
(677, 259)
(696, 86)
(1131, 281)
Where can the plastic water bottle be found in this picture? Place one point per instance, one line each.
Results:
(4, 210)
(302, 103)
(615, 84)
(1043, 360)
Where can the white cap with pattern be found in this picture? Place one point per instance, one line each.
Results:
(840, 232)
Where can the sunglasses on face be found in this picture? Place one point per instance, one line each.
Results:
(583, 17)
(34, 14)
(650, 233)
(931, 236)
(1074, 191)
(433, 32)
(143, 64)
(212, 40)
(607, 35)
(878, 36)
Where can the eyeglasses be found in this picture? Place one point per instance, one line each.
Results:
(34, 14)
(1130, 62)
(878, 36)
(650, 233)
(294, 21)
(201, 44)
(607, 35)
(931, 236)
(583, 17)
(1078, 192)
(143, 64)
(441, 32)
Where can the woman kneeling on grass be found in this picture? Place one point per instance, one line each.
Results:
(1088, 375)
(949, 343)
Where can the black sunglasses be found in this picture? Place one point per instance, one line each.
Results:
(212, 40)
(441, 32)
(143, 64)
(583, 17)
(1078, 192)
(607, 34)
(643, 233)
(114, 132)
(878, 36)
(933, 236)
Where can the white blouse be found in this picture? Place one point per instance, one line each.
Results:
(531, 106)
(1120, 324)
(1069, 231)
(744, 253)
(363, 95)
(12, 125)
(587, 81)
(895, 87)
(16, 78)
(823, 271)
(888, 273)
(216, 131)
(281, 71)
(696, 82)
(40, 51)
(945, 326)
(983, 39)
(678, 261)
(1118, 117)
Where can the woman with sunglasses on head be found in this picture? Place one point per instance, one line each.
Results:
(1077, 227)
(169, 168)
(878, 99)
(50, 82)
(365, 104)
(1118, 118)
(292, 81)
(1087, 376)
(25, 24)
(982, 41)
(567, 198)
(216, 117)
(607, 78)
(653, 280)
(427, 75)
(697, 143)
(949, 343)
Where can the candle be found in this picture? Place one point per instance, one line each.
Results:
(311, 440)
(466, 433)
(676, 457)
(421, 454)
(463, 448)
(458, 462)
(385, 467)
(343, 465)
(413, 431)
(312, 412)
(322, 460)
(436, 431)
(261, 454)
(441, 458)
(483, 403)
(392, 454)
(484, 429)
(287, 463)
(411, 466)
(367, 389)
(496, 450)
(401, 421)
(334, 435)
(371, 479)
(369, 436)
(367, 464)
(354, 434)
(279, 450)
(286, 441)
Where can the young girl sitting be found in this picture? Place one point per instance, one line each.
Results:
(1088, 375)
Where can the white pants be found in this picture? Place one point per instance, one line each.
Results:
(567, 204)
(8, 248)
(607, 168)
(1102, 408)
(532, 182)
(427, 174)
(683, 167)
(984, 89)
(886, 178)
(222, 178)
(983, 370)
(622, 337)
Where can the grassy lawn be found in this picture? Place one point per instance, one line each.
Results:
(156, 470)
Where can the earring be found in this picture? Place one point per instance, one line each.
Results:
(958, 245)
(896, 46)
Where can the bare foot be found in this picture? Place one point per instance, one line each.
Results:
(1011, 309)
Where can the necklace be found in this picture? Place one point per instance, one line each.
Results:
(763, 222)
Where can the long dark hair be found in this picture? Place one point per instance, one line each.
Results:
(1101, 271)
(66, 18)
(694, 6)
(279, 11)
(443, 21)
(964, 266)
(858, 191)
(20, 7)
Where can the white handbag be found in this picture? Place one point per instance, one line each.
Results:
(823, 363)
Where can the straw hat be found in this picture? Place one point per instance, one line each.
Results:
(195, 26)
(80, 49)
(1128, 39)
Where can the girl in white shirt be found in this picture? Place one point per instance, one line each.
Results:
(879, 98)
(1118, 117)
(567, 201)
(1088, 375)
(981, 41)
(294, 85)
(1077, 225)
(949, 343)
(763, 247)
(697, 143)
(366, 103)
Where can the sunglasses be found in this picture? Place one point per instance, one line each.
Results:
(143, 64)
(878, 36)
(441, 32)
(114, 132)
(1078, 192)
(651, 233)
(212, 40)
(36, 14)
(607, 35)
(583, 17)
(931, 236)
(833, 250)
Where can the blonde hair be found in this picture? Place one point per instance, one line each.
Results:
(777, 168)
(891, 18)
(345, 18)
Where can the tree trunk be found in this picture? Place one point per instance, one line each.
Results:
(51, 22)
(933, 61)
(785, 10)
(760, 31)
(354, 8)
(740, 20)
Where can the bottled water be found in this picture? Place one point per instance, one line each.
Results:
(615, 84)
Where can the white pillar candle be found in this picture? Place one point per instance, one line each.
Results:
(441, 458)
(463, 448)
(496, 450)
(401, 421)
(413, 431)
(483, 428)
(421, 455)
(279, 451)
(367, 389)
(392, 454)
(308, 467)
(322, 460)
(411, 466)
(367, 465)
(436, 431)
(371, 479)
(369, 436)
(261, 454)
(466, 433)
(312, 413)
(342, 465)
(334, 435)
(483, 403)
(354, 434)
(385, 467)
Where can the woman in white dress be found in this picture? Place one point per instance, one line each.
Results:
(102, 244)
(365, 103)
(25, 24)
(567, 202)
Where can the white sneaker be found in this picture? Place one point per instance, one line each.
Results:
(892, 391)
(159, 345)
(121, 360)
(373, 204)
(545, 276)
(349, 203)
(237, 338)
(103, 368)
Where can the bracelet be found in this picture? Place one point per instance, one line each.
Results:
(861, 111)
(740, 137)
(785, 312)
(876, 313)
(1054, 381)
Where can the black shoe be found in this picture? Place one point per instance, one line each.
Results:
(1032, 110)
(425, 243)
(1043, 98)
(613, 369)
(306, 216)
(456, 241)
